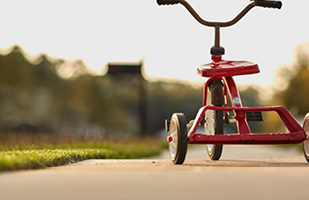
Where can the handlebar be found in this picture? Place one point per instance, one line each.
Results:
(217, 50)
(167, 2)
(261, 3)
(269, 4)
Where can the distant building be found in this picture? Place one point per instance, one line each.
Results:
(118, 70)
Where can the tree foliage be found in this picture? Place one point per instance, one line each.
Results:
(296, 96)
(40, 94)
(50, 95)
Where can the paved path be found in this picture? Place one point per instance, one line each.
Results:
(244, 172)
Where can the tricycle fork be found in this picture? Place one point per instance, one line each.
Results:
(240, 116)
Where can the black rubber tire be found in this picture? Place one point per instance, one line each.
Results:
(217, 99)
(178, 132)
(305, 143)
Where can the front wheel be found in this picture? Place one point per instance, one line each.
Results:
(213, 118)
(306, 142)
(178, 140)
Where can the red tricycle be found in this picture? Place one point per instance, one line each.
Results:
(220, 91)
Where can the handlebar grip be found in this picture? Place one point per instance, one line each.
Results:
(167, 2)
(269, 4)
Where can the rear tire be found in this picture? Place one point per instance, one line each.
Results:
(213, 118)
(306, 142)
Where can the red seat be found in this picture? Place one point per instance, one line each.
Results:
(225, 68)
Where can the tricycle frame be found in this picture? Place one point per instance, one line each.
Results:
(243, 136)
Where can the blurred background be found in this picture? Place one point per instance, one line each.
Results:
(113, 69)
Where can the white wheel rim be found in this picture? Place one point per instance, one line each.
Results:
(306, 142)
(306, 147)
(174, 143)
(209, 121)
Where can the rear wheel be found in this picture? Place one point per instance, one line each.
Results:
(306, 142)
(214, 119)
(178, 140)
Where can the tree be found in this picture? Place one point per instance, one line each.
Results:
(296, 96)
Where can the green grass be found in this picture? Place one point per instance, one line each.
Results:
(34, 151)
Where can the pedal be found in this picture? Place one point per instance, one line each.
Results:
(167, 125)
(254, 116)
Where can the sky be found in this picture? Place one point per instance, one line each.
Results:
(169, 40)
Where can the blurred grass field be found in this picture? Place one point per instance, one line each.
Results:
(19, 151)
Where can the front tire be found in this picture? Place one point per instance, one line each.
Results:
(179, 140)
(306, 142)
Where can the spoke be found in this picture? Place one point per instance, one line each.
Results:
(173, 134)
(210, 147)
(174, 141)
(174, 145)
(210, 121)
